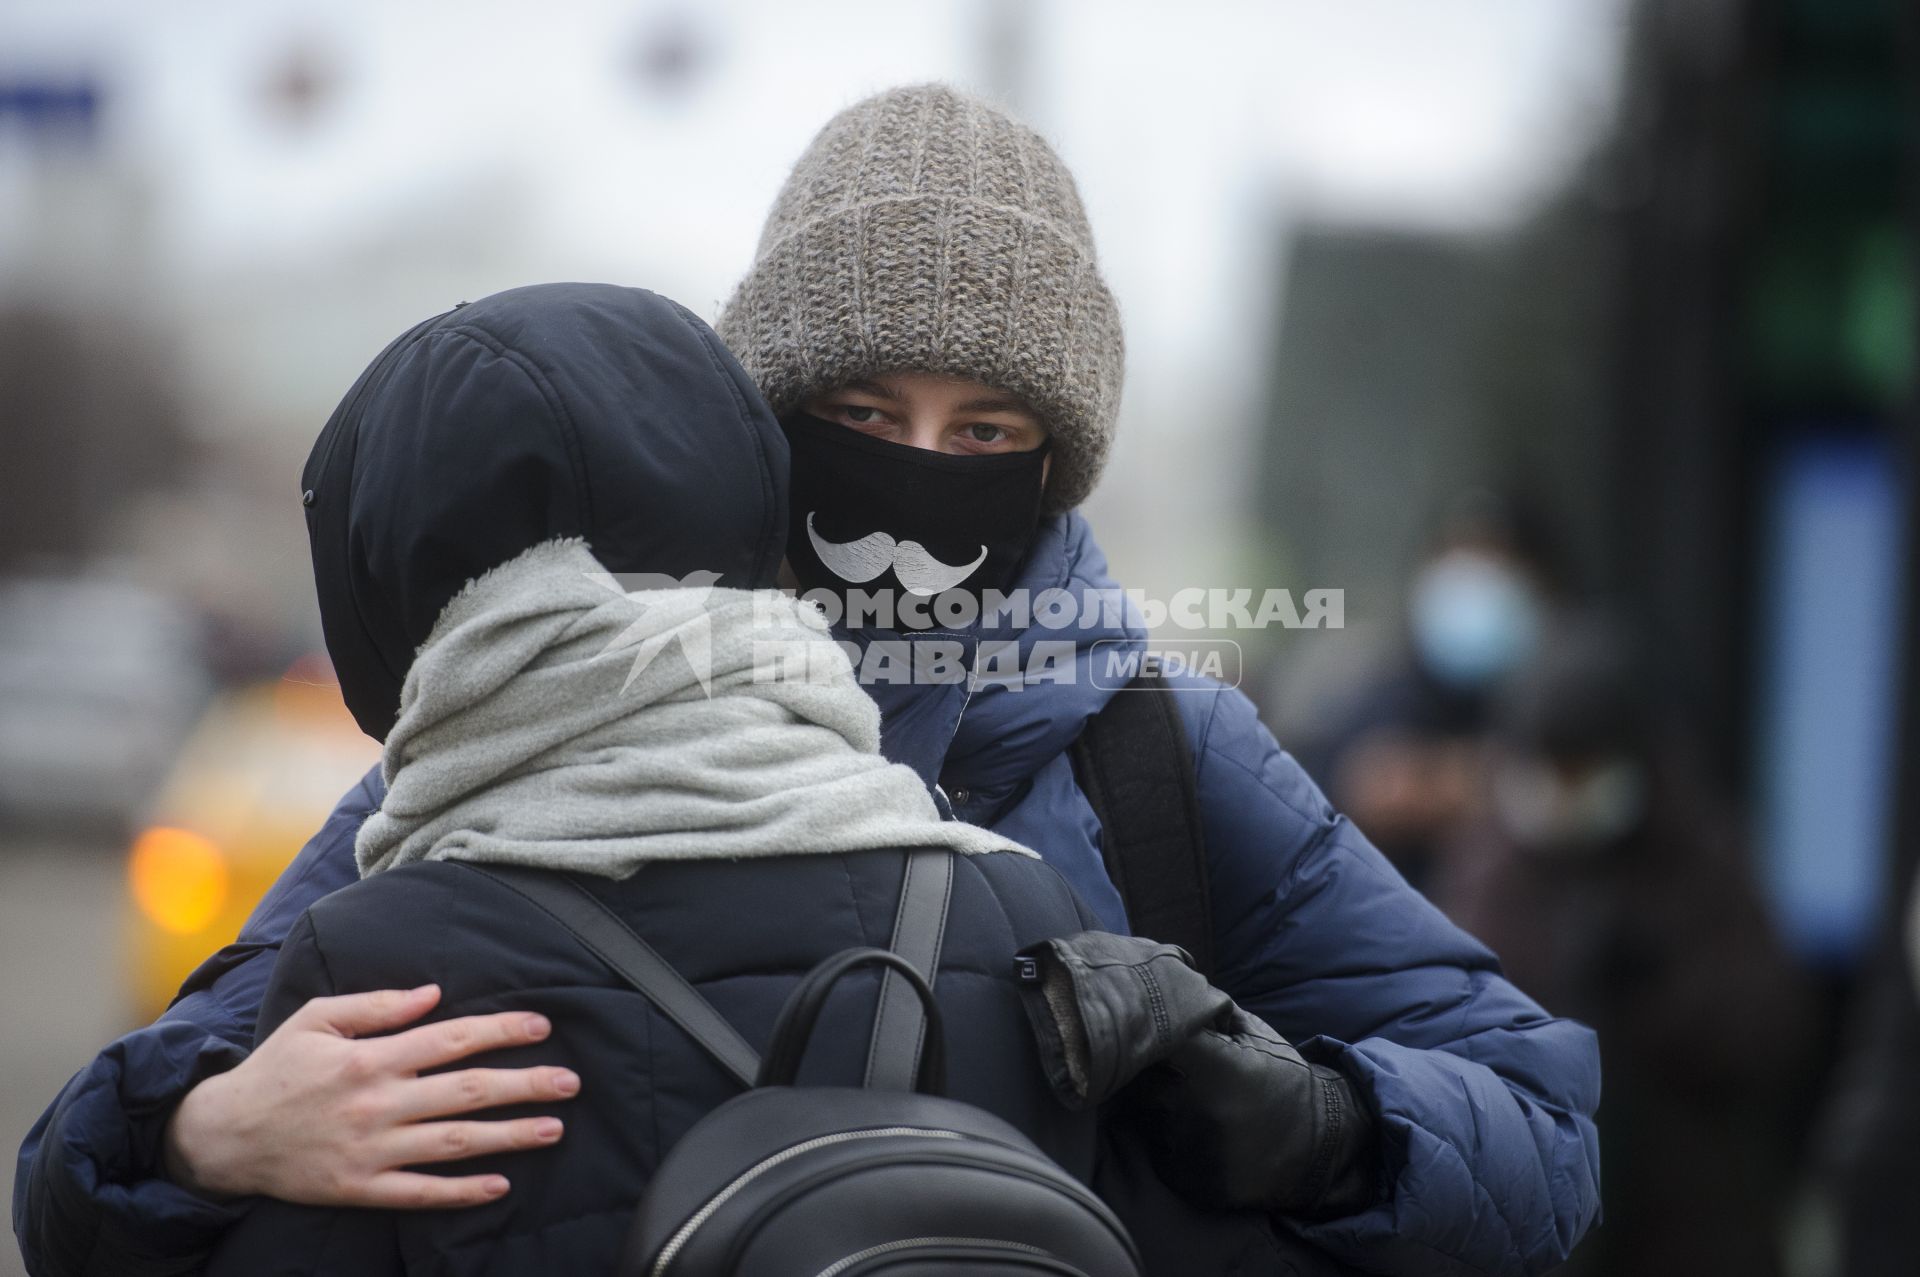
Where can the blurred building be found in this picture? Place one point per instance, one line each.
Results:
(1701, 356)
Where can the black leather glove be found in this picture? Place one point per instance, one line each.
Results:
(1232, 1115)
(1237, 1118)
(1104, 1007)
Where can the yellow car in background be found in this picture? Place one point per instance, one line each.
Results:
(260, 772)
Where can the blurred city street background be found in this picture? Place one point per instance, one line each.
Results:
(55, 898)
(1574, 340)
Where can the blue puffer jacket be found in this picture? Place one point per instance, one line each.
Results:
(1486, 1102)
(1489, 1156)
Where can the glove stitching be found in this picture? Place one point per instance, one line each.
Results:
(1258, 1048)
(1162, 1027)
(1131, 960)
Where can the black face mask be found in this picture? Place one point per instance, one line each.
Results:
(869, 515)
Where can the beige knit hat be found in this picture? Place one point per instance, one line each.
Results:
(925, 230)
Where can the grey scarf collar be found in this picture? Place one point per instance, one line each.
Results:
(551, 719)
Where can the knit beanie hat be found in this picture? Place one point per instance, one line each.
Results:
(925, 230)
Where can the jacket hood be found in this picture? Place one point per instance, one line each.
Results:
(560, 410)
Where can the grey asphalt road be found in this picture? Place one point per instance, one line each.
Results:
(59, 993)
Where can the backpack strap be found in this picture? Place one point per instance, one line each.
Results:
(1134, 765)
(919, 930)
(899, 1026)
(603, 931)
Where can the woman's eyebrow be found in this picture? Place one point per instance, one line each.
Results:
(879, 390)
(995, 403)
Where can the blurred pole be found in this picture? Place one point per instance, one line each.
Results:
(1681, 475)
(1006, 53)
(1906, 857)
(1906, 818)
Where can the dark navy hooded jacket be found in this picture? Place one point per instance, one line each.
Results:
(744, 933)
(1489, 1157)
(613, 415)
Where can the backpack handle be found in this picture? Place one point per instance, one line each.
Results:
(797, 1018)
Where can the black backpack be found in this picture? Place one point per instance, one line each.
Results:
(887, 1177)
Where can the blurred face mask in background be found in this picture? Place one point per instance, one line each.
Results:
(1474, 619)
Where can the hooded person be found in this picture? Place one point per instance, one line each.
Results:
(699, 755)
(696, 751)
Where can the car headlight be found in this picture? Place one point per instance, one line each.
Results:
(179, 878)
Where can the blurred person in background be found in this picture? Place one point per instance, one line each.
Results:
(1403, 757)
(1615, 888)
(925, 292)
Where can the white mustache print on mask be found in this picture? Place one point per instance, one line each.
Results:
(862, 560)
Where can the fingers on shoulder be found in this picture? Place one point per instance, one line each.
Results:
(357, 1014)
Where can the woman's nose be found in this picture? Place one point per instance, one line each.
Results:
(924, 432)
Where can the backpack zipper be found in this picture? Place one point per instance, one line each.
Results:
(679, 1240)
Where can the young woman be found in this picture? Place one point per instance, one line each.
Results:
(925, 313)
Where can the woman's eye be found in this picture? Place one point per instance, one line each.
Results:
(983, 433)
(859, 415)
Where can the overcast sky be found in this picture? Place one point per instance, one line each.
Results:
(462, 147)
